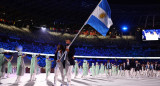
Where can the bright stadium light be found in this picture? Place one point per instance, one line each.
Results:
(124, 28)
(43, 28)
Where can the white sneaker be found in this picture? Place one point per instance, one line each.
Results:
(34, 79)
(55, 84)
(61, 85)
(17, 81)
(69, 84)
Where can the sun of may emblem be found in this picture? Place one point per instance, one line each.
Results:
(102, 15)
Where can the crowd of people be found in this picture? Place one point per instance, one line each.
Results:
(81, 50)
(128, 69)
(53, 37)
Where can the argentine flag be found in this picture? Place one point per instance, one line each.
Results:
(100, 19)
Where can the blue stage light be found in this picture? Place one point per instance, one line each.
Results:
(124, 28)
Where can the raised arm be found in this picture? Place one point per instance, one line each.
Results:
(79, 62)
(51, 60)
(24, 55)
(38, 55)
(11, 58)
(6, 58)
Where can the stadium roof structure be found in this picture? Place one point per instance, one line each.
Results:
(69, 12)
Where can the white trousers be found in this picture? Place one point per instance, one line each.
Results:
(132, 72)
(76, 72)
(58, 68)
(137, 74)
(68, 69)
(155, 73)
(18, 79)
(109, 72)
(33, 77)
(158, 73)
(120, 72)
(151, 73)
(69, 73)
(0, 79)
(127, 73)
(3, 74)
(123, 73)
(147, 72)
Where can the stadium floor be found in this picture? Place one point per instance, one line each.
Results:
(98, 81)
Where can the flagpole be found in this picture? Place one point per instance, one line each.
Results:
(77, 35)
(79, 30)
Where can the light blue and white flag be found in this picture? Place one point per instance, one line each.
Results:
(100, 19)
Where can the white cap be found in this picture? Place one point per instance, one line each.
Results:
(19, 53)
(33, 55)
(47, 56)
(1, 50)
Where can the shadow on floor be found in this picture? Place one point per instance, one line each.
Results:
(14, 84)
(80, 82)
(30, 83)
(49, 83)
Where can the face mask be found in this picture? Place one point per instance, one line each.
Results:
(19, 53)
(47, 56)
(34, 55)
(67, 44)
(1, 50)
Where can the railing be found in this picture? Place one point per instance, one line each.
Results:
(98, 57)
